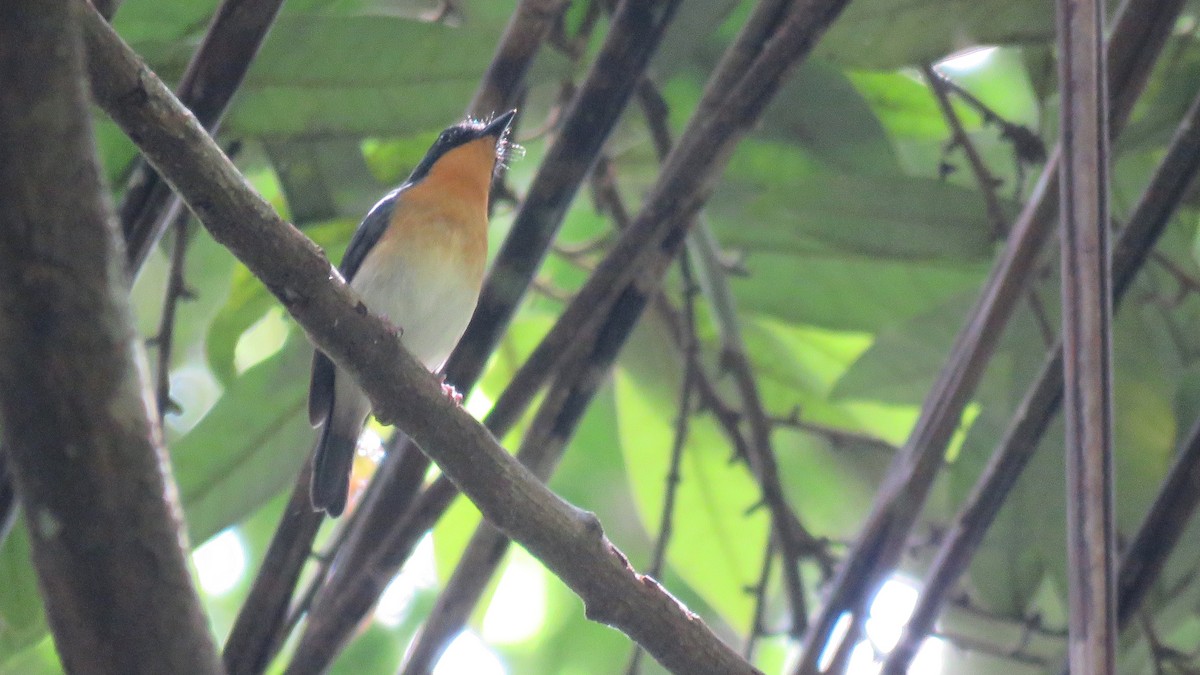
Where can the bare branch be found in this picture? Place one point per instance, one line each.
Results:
(983, 177)
(1160, 531)
(757, 627)
(691, 365)
(1147, 222)
(523, 37)
(164, 338)
(212, 77)
(1087, 337)
(260, 626)
(1137, 39)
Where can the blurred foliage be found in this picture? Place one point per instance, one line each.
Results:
(856, 239)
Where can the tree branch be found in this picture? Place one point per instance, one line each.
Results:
(570, 542)
(261, 623)
(1087, 337)
(212, 77)
(959, 138)
(1137, 39)
(80, 430)
(1134, 245)
(164, 338)
(691, 366)
(522, 40)
(1160, 531)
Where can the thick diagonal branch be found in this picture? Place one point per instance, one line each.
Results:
(570, 542)
(254, 639)
(775, 38)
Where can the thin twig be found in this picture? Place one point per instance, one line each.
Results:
(983, 177)
(1027, 146)
(8, 500)
(1187, 282)
(686, 391)
(974, 644)
(1041, 317)
(840, 661)
(261, 625)
(176, 292)
(684, 416)
(836, 436)
(757, 627)
(987, 183)
(794, 540)
(1033, 624)
(727, 417)
(1158, 651)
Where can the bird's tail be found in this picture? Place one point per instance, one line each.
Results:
(332, 463)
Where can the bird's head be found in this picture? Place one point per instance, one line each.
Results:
(470, 150)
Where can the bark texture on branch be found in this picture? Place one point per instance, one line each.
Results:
(1087, 337)
(80, 429)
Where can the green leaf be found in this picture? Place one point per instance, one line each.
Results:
(40, 659)
(249, 446)
(1009, 566)
(716, 546)
(847, 292)
(818, 108)
(829, 486)
(885, 217)
(893, 33)
(22, 620)
(374, 650)
(323, 75)
(324, 178)
(248, 300)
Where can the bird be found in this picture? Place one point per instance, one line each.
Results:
(417, 259)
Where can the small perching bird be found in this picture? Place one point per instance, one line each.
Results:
(418, 260)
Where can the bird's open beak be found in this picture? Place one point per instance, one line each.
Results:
(498, 126)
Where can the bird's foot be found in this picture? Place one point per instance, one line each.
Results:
(392, 328)
(449, 391)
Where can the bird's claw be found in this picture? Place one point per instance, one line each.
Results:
(449, 391)
(392, 328)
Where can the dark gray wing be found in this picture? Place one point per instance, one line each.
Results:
(320, 391)
(368, 233)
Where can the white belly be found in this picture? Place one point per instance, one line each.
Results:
(417, 295)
